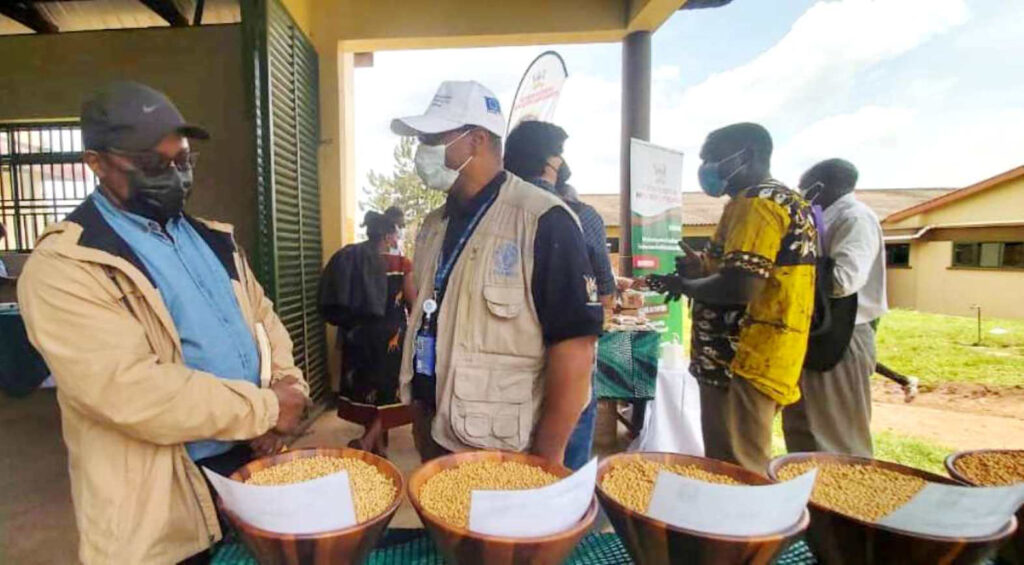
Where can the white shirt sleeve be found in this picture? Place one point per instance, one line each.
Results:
(854, 245)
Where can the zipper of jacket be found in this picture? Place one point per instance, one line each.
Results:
(199, 504)
(192, 487)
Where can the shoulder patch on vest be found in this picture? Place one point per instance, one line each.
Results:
(591, 284)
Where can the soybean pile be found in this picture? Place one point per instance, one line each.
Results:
(447, 494)
(992, 468)
(861, 491)
(631, 482)
(372, 491)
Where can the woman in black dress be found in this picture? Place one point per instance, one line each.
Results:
(367, 291)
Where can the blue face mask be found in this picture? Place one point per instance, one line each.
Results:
(710, 175)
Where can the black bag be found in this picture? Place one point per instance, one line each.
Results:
(831, 323)
(353, 286)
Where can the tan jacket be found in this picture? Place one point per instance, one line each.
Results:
(490, 344)
(128, 403)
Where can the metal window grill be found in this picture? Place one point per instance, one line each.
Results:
(42, 179)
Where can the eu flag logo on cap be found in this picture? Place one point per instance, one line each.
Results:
(492, 105)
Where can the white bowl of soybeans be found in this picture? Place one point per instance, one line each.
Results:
(376, 486)
(988, 468)
(852, 493)
(625, 482)
(440, 492)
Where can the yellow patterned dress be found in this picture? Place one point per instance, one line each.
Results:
(767, 231)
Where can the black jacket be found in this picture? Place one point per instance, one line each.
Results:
(353, 286)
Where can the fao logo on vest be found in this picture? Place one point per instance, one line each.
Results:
(506, 260)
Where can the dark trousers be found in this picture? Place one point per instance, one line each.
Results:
(578, 449)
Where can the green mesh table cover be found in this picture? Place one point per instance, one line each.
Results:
(414, 547)
(627, 365)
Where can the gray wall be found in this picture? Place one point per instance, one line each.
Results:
(47, 76)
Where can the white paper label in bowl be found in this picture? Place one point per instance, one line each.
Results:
(310, 507)
(730, 510)
(534, 512)
(957, 511)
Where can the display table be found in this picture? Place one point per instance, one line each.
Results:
(627, 371)
(414, 547)
(22, 369)
(672, 422)
(627, 365)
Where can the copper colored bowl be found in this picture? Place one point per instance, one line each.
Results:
(338, 547)
(653, 542)
(840, 539)
(1013, 552)
(461, 546)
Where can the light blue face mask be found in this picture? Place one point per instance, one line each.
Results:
(710, 175)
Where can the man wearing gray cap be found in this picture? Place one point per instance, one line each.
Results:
(502, 333)
(166, 352)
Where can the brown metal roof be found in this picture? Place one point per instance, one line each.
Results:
(700, 209)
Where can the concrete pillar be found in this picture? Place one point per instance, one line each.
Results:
(337, 154)
(337, 165)
(636, 122)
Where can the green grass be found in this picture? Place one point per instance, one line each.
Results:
(889, 446)
(941, 349)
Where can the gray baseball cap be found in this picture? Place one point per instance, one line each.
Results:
(132, 117)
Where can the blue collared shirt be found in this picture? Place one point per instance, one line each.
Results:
(197, 291)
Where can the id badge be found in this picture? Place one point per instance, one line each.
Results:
(425, 354)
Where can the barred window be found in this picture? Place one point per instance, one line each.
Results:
(42, 179)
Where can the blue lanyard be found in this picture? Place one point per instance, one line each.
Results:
(444, 268)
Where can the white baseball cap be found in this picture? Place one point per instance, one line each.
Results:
(457, 104)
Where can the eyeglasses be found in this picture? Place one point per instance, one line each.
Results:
(151, 163)
(439, 138)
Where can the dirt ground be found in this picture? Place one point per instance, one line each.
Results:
(958, 416)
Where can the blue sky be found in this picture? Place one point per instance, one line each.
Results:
(917, 93)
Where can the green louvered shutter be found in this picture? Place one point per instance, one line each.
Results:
(284, 79)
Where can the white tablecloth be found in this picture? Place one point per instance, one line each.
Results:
(672, 421)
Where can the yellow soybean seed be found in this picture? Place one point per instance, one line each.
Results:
(447, 494)
(992, 468)
(631, 482)
(862, 491)
(372, 491)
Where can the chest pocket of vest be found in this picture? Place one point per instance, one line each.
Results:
(508, 328)
(504, 301)
(493, 408)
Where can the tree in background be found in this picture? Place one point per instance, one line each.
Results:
(403, 188)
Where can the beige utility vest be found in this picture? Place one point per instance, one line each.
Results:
(490, 347)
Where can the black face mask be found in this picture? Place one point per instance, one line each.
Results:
(563, 176)
(160, 197)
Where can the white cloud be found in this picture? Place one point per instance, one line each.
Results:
(589, 111)
(899, 147)
(854, 136)
(809, 74)
(403, 83)
(666, 72)
(827, 88)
